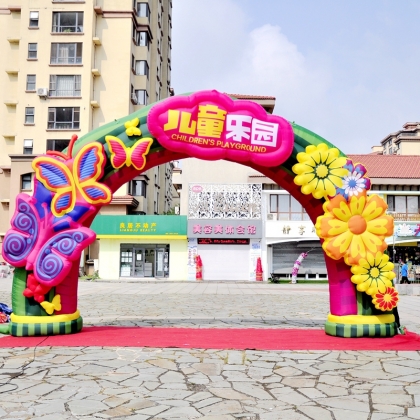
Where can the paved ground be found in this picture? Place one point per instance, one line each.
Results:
(149, 383)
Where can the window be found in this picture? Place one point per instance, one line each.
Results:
(28, 147)
(69, 53)
(142, 39)
(67, 22)
(287, 207)
(158, 71)
(65, 85)
(133, 95)
(26, 182)
(29, 115)
(156, 206)
(63, 118)
(33, 19)
(142, 68)
(57, 145)
(142, 97)
(138, 187)
(407, 204)
(30, 82)
(32, 51)
(143, 10)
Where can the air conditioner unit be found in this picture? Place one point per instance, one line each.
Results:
(270, 216)
(134, 97)
(42, 92)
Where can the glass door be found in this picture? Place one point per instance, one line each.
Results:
(126, 262)
(138, 263)
(160, 265)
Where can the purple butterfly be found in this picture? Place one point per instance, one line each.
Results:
(33, 243)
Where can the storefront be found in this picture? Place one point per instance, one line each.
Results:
(228, 248)
(141, 246)
(286, 241)
(405, 244)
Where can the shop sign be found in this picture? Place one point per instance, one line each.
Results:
(107, 225)
(216, 241)
(210, 125)
(404, 230)
(214, 228)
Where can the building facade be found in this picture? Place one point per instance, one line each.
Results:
(402, 142)
(69, 67)
(287, 230)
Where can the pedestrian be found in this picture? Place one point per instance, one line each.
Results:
(404, 274)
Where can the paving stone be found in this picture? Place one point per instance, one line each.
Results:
(86, 407)
(332, 391)
(42, 389)
(206, 402)
(300, 382)
(346, 403)
(387, 408)
(224, 407)
(139, 404)
(414, 412)
(117, 412)
(288, 371)
(340, 414)
(315, 413)
(152, 411)
(55, 406)
(172, 377)
(199, 396)
(228, 393)
(235, 357)
(283, 415)
(209, 369)
(165, 364)
(252, 390)
(312, 393)
(182, 412)
(394, 399)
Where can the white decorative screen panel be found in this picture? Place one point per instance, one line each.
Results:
(224, 201)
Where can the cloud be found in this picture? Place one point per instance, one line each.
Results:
(352, 90)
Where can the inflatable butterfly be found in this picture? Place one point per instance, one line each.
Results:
(32, 243)
(122, 155)
(73, 178)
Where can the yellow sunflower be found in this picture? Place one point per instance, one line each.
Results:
(373, 274)
(353, 228)
(319, 171)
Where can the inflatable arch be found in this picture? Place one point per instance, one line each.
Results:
(50, 229)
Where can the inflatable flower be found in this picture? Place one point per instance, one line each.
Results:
(373, 274)
(319, 171)
(353, 228)
(354, 182)
(387, 300)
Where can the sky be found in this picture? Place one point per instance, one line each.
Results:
(348, 70)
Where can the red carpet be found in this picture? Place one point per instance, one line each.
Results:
(240, 339)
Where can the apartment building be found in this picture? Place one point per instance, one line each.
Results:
(69, 66)
(402, 142)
